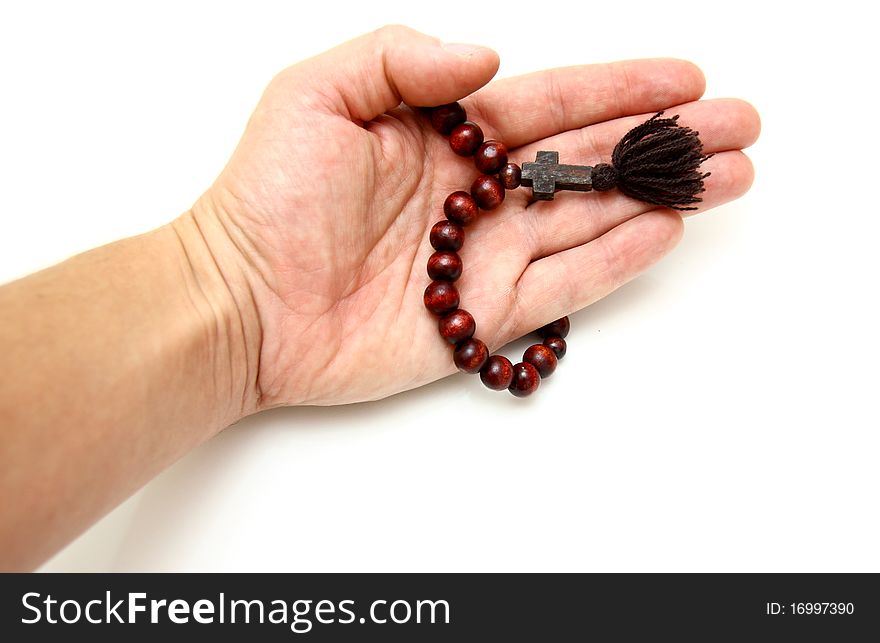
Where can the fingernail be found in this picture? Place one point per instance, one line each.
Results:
(461, 49)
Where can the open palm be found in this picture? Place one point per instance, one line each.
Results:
(335, 185)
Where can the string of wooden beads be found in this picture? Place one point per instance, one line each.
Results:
(456, 325)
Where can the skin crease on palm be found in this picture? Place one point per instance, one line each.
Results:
(330, 194)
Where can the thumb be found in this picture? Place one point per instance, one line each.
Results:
(371, 74)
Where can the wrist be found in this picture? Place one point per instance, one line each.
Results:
(222, 308)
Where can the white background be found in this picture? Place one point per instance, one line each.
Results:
(719, 413)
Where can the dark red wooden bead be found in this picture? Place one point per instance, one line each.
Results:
(497, 373)
(491, 157)
(441, 297)
(444, 265)
(559, 328)
(525, 380)
(446, 118)
(460, 207)
(557, 345)
(510, 176)
(446, 235)
(542, 358)
(457, 326)
(470, 356)
(487, 192)
(466, 138)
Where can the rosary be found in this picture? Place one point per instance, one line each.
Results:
(657, 162)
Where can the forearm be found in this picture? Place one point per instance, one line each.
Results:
(115, 363)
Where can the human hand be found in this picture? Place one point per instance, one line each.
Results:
(326, 205)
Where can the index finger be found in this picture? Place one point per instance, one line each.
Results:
(524, 109)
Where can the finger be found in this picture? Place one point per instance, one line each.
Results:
(572, 218)
(578, 221)
(371, 74)
(724, 124)
(570, 280)
(528, 108)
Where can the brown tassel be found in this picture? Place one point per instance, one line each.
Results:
(657, 162)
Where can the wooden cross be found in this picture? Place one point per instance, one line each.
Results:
(546, 176)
